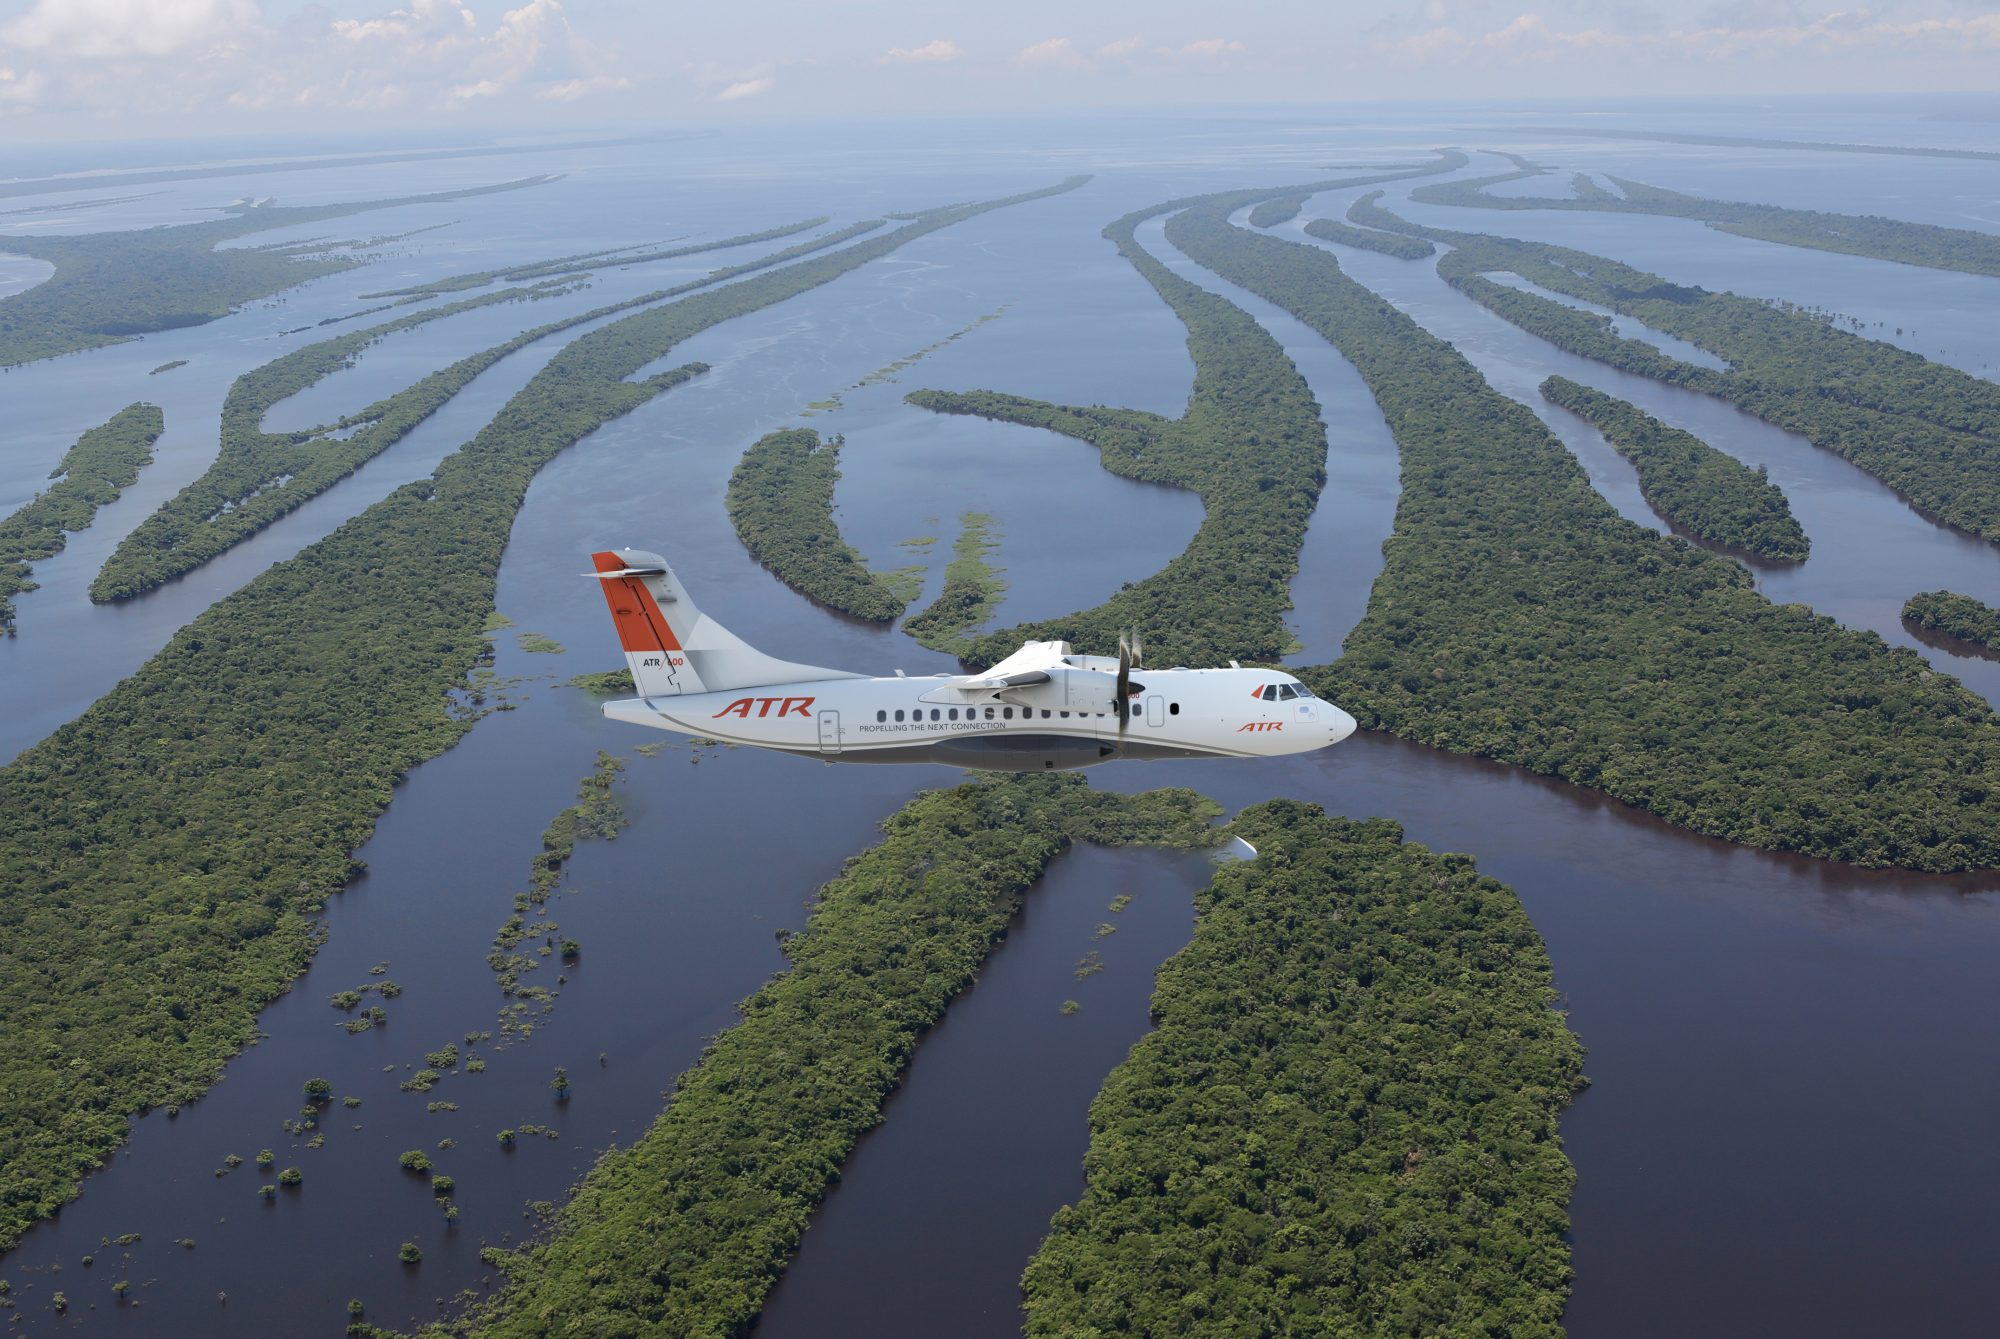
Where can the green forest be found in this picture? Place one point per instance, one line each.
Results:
(1520, 618)
(1368, 239)
(1929, 431)
(1711, 495)
(584, 261)
(1964, 249)
(1251, 444)
(1344, 1120)
(1283, 209)
(1955, 615)
(781, 502)
(755, 1133)
(91, 473)
(260, 476)
(162, 848)
(112, 286)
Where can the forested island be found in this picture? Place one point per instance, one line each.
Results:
(1344, 1120)
(1964, 249)
(1368, 239)
(1955, 615)
(583, 262)
(259, 477)
(1283, 209)
(111, 286)
(93, 472)
(1711, 495)
(163, 848)
(1251, 444)
(781, 502)
(757, 1131)
(1519, 617)
(1930, 432)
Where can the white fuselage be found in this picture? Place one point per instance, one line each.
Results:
(1071, 722)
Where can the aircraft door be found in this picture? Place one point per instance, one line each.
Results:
(829, 733)
(1156, 710)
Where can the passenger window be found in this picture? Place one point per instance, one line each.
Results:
(1045, 713)
(1007, 713)
(934, 714)
(899, 713)
(1173, 708)
(989, 713)
(881, 715)
(1064, 715)
(952, 714)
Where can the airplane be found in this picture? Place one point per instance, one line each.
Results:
(1044, 708)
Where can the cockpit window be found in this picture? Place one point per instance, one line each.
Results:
(1286, 692)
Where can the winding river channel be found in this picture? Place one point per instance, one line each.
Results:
(1795, 1066)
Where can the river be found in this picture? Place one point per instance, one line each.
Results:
(1793, 1064)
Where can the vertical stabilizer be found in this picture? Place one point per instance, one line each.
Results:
(633, 584)
(674, 648)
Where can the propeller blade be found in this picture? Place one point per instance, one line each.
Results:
(1124, 684)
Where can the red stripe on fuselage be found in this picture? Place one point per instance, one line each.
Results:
(641, 626)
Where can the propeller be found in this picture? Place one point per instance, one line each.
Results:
(1128, 656)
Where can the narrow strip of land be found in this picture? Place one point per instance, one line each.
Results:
(780, 500)
(584, 261)
(1712, 496)
(756, 1132)
(1251, 444)
(1368, 239)
(1344, 1121)
(93, 472)
(1928, 431)
(1964, 249)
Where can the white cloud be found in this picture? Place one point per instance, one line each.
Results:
(746, 88)
(113, 29)
(942, 49)
(424, 20)
(1212, 46)
(1530, 37)
(1057, 53)
(173, 57)
(1124, 46)
(18, 87)
(569, 90)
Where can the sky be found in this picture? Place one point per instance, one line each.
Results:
(128, 69)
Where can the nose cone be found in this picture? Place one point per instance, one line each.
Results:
(1340, 726)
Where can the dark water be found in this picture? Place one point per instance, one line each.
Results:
(1795, 1067)
(1001, 1088)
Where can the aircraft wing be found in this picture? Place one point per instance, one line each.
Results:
(1035, 656)
(995, 682)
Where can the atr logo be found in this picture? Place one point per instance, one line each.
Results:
(1260, 725)
(786, 706)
